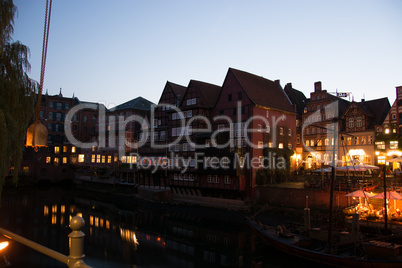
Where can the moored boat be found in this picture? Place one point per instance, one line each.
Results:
(361, 252)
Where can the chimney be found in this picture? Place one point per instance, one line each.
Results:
(399, 92)
(278, 81)
(317, 86)
(289, 85)
(363, 100)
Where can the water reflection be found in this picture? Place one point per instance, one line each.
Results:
(123, 232)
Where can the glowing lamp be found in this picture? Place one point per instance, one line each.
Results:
(3, 245)
(36, 135)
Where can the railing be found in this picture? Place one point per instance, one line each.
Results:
(76, 237)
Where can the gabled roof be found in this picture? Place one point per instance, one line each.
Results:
(262, 91)
(297, 98)
(178, 90)
(138, 103)
(208, 93)
(377, 108)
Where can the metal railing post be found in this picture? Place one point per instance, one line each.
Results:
(76, 242)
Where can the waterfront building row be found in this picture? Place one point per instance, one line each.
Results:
(194, 140)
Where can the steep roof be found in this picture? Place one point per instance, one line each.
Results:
(208, 93)
(177, 89)
(377, 108)
(138, 103)
(297, 98)
(262, 91)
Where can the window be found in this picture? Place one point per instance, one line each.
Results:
(280, 146)
(393, 145)
(267, 113)
(56, 149)
(51, 115)
(81, 158)
(326, 142)
(281, 131)
(93, 158)
(359, 122)
(370, 139)
(103, 158)
(73, 149)
(393, 116)
(98, 158)
(64, 160)
(51, 104)
(356, 140)
(298, 139)
(259, 127)
(85, 118)
(67, 106)
(56, 161)
(351, 123)
(227, 180)
(363, 139)
(380, 145)
(307, 143)
(240, 96)
(48, 160)
(162, 135)
(189, 113)
(387, 131)
(290, 132)
(381, 160)
(59, 106)
(260, 144)
(312, 142)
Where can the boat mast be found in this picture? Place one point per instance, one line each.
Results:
(385, 202)
(331, 195)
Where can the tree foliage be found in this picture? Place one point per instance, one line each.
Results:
(17, 92)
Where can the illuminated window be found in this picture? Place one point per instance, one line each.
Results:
(56, 161)
(62, 209)
(64, 149)
(393, 144)
(289, 146)
(103, 159)
(98, 158)
(381, 160)
(48, 160)
(91, 220)
(56, 149)
(326, 142)
(109, 159)
(280, 146)
(93, 158)
(73, 149)
(107, 224)
(260, 144)
(25, 170)
(307, 142)
(81, 158)
(281, 131)
(64, 160)
(45, 210)
(387, 131)
(380, 145)
(54, 209)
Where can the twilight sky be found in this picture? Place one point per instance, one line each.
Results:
(113, 51)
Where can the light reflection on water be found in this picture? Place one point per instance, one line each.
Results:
(122, 232)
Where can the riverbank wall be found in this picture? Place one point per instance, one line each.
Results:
(300, 198)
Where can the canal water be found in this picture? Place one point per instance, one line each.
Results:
(122, 231)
